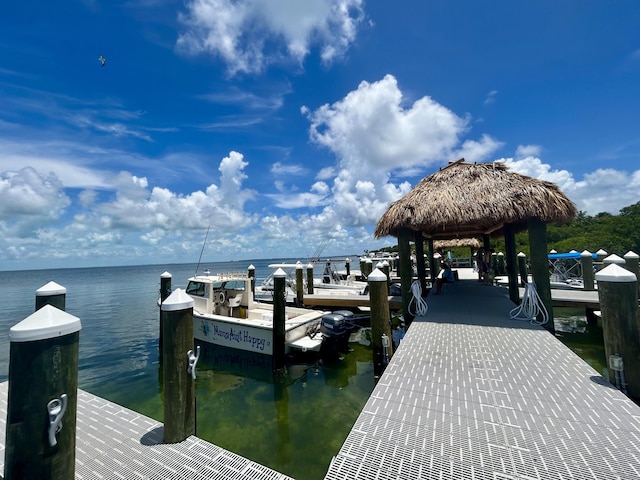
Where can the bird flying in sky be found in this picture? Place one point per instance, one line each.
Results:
(103, 60)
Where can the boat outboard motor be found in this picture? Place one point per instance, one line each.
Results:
(334, 333)
(333, 325)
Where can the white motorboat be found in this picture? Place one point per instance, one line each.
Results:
(330, 283)
(225, 313)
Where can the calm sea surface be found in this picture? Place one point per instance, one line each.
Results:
(294, 425)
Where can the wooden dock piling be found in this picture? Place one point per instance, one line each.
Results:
(522, 269)
(380, 322)
(310, 278)
(178, 383)
(299, 285)
(278, 331)
(588, 275)
(165, 291)
(618, 295)
(42, 398)
(251, 273)
(51, 294)
(632, 263)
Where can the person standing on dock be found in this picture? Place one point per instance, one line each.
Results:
(446, 276)
(480, 263)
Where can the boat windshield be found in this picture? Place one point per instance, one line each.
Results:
(228, 284)
(195, 288)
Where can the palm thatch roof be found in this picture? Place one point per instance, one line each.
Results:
(464, 200)
(457, 242)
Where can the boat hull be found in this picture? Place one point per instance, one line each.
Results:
(252, 337)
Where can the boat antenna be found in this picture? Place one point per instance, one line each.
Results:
(203, 244)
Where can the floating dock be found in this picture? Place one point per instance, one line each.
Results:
(472, 394)
(113, 442)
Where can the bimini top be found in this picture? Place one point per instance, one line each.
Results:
(561, 256)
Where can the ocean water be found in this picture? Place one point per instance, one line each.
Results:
(294, 424)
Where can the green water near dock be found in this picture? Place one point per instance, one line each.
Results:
(585, 340)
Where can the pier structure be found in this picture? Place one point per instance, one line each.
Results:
(472, 394)
(113, 442)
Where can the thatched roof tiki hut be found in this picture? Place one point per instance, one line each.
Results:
(464, 200)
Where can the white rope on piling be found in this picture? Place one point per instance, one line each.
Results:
(420, 303)
(530, 306)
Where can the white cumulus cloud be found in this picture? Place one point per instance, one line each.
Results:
(239, 31)
(604, 190)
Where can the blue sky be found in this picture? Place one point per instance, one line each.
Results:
(284, 125)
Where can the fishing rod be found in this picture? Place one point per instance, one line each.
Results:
(203, 244)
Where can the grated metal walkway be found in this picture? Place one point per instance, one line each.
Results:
(471, 394)
(113, 442)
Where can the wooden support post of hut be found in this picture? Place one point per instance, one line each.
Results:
(42, 399)
(178, 376)
(299, 285)
(380, 322)
(165, 291)
(588, 275)
(420, 264)
(632, 264)
(406, 272)
(51, 294)
(540, 266)
(310, 278)
(512, 273)
(618, 296)
(432, 261)
(522, 268)
(278, 335)
(251, 273)
(500, 264)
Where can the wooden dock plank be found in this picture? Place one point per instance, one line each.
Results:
(114, 442)
(472, 394)
(346, 301)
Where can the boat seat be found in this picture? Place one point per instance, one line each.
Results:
(234, 301)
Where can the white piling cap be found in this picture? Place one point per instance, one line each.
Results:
(279, 273)
(377, 276)
(631, 254)
(51, 288)
(613, 258)
(615, 273)
(309, 265)
(522, 254)
(585, 253)
(251, 267)
(178, 300)
(165, 274)
(299, 265)
(47, 322)
(601, 252)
